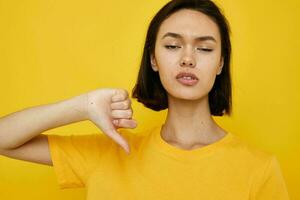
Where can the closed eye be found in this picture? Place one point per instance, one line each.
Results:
(171, 46)
(204, 49)
(174, 47)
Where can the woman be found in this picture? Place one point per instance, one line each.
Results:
(185, 68)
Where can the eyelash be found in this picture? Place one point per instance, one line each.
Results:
(171, 47)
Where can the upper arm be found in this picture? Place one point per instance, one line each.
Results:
(271, 184)
(36, 150)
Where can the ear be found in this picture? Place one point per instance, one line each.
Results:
(153, 63)
(221, 66)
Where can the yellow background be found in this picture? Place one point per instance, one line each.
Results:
(52, 50)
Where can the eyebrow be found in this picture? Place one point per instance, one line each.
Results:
(201, 38)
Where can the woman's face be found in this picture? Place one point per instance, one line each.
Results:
(177, 50)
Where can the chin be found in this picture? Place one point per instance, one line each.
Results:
(187, 95)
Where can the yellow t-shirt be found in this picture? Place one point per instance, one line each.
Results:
(228, 169)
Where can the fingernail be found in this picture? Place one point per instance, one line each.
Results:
(134, 124)
(127, 151)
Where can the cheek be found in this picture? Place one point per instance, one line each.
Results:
(207, 72)
(166, 58)
(167, 75)
(167, 64)
(208, 64)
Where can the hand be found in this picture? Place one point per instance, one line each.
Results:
(110, 109)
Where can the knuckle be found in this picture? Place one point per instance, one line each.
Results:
(122, 89)
(123, 92)
(129, 112)
(125, 104)
(113, 112)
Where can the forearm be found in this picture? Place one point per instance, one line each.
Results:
(19, 127)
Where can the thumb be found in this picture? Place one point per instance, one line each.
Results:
(109, 129)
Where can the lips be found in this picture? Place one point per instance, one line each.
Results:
(186, 74)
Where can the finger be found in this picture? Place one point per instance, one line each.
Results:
(118, 138)
(111, 132)
(122, 113)
(124, 93)
(117, 98)
(125, 123)
(119, 95)
(121, 105)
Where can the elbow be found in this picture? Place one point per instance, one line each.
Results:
(2, 151)
(7, 146)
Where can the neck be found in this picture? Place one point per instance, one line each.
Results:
(190, 123)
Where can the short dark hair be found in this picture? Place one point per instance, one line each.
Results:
(149, 90)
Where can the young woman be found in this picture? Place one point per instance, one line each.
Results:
(185, 68)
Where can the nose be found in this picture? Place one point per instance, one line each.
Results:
(187, 60)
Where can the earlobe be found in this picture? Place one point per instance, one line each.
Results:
(153, 63)
(221, 66)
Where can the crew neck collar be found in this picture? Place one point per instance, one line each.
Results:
(182, 154)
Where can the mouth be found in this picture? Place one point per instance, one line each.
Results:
(187, 75)
(186, 78)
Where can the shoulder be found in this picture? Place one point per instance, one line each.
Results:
(258, 163)
(250, 153)
(135, 138)
(78, 139)
(263, 168)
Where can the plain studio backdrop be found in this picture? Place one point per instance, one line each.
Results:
(53, 50)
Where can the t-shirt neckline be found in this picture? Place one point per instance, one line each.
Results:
(183, 154)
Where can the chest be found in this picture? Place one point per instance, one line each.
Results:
(166, 179)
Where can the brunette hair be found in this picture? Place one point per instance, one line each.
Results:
(149, 90)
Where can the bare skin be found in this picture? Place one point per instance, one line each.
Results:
(189, 124)
(20, 132)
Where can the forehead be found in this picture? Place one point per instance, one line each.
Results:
(189, 23)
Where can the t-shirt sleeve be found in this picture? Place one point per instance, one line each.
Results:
(75, 156)
(271, 184)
